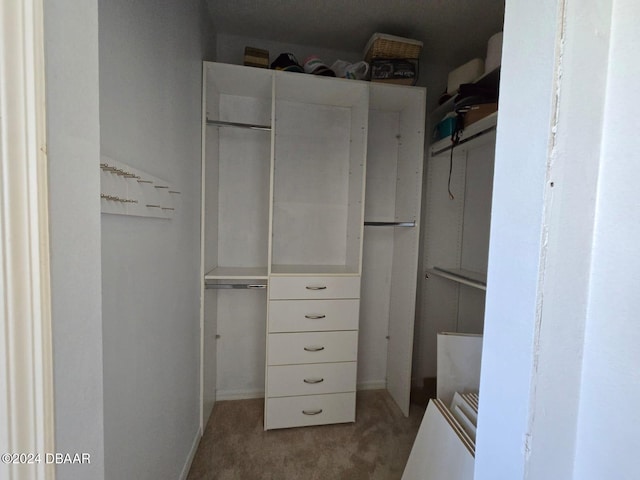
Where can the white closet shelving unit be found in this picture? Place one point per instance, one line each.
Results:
(235, 218)
(391, 240)
(456, 242)
(284, 170)
(316, 250)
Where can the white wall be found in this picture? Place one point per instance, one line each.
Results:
(517, 238)
(71, 55)
(150, 93)
(608, 415)
(570, 211)
(561, 333)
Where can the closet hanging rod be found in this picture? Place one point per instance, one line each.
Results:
(390, 224)
(237, 286)
(464, 140)
(251, 126)
(472, 279)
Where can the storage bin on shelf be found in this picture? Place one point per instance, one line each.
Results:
(393, 59)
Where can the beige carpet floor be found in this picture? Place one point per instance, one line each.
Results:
(376, 446)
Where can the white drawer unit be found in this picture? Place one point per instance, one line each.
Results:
(313, 315)
(312, 350)
(301, 411)
(311, 287)
(312, 379)
(312, 347)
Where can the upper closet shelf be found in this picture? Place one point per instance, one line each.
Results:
(237, 273)
(318, 270)
(472, 132)
(460, 275)
(251, 126)
(488, 80)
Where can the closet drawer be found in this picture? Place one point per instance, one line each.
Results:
(313, 315)
(307, 288)
(307, 410)
(312, 347)
(313, 379)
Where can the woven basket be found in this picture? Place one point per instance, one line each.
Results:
(381, 45)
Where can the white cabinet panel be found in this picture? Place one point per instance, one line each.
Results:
(313, 315)
(312, 379)
(440, 451)
(308, 410)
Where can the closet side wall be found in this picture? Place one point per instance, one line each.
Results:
(73, 150)
(150, 110)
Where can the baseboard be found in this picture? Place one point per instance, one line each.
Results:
(249, 394)
(372, 385)
(238, 394)
(192, 454)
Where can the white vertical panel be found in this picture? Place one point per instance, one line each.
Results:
(439, 452)
(375, 296)
(73, 83)
(459, 359)
(394, 194)
(442, 246)
(357, 180)
(522, 147)
(612, 337)
(311, 185)
(243, 196)
(209, 352)
(26, 361)
(477, 205)
(241, 318)
(402, 315)
(404, 274)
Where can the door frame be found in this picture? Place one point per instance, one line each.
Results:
(26, 361)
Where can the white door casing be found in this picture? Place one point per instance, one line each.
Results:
(26, 373)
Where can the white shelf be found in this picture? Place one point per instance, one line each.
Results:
(489, 79)
(236, 273)
(460, 275)
(334, 270)
(473, 131)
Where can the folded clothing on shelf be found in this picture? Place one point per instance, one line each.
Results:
(287, 62)
(315, 66)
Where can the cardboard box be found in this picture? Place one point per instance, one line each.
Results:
(256, 57)
(478, 112)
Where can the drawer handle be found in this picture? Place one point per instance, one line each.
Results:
(315, 288)
(314, 349)
(313, 381)
(312, 412)
(314, 316)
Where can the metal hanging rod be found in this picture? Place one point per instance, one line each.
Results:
(251, 126)
(390, 224)
(237, 286)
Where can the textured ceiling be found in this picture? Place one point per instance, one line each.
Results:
(453, 31)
